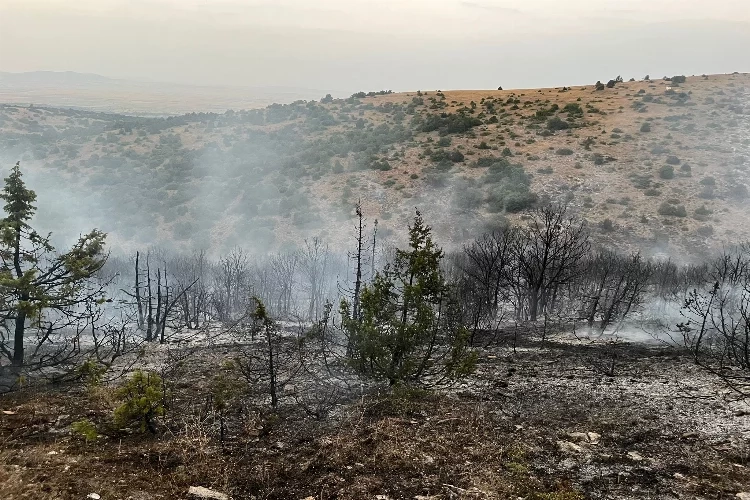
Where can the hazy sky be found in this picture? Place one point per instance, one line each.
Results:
(369, 45)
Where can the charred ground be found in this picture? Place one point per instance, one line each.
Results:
(539, 421)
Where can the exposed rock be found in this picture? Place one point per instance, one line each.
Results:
(578, 437)
(569, 463)
(568, 447)
(93, 496)
(201, 492)
(634, 455)
(585, 437)
(743, 495)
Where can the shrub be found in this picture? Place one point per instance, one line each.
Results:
(402, 351)
(606, 225)
(739, 191)
(519, 201)
(707, 193)
(557, 123)
(573, 109)
(708, 181)
(673, 160)
(703, 211)
(91, 372)
(447, 123)
(666, 172)
(686, 168)
(85, 429)
(646, 127)
(143, 401)
(599, 86)
(456, 156)
(671, 210)
(564, 152)
(679, 79)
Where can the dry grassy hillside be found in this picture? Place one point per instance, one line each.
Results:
(657, 165)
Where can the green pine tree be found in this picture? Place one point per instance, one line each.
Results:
(410, 329)
(40, 288)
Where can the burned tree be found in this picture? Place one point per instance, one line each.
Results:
(613, 286)
(548, 252)
(717, 320)
(487, 267)
(315, 261)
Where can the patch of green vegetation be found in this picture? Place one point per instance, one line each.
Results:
(85, 429)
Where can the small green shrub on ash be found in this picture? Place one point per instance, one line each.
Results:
(90, 372)
(85, 429)
(143, 397)
(408, 329)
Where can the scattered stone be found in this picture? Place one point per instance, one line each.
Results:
(578, 436)
(569, 463)
(93, 496)
(594, 437)
(568, 447)
(634, 455)
(53, 452)
(689, 435)
(201, 492)
(585, 437)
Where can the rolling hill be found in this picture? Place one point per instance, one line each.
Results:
(660, 165)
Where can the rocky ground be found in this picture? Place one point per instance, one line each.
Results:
(562, 419)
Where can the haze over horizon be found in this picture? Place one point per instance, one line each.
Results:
(355, 45)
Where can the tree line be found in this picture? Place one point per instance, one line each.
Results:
(405, 315)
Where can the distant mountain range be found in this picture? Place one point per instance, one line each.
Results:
(99, 93)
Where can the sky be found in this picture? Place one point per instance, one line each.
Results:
(348, 45)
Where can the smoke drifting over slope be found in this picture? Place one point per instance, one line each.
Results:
(267, 179)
